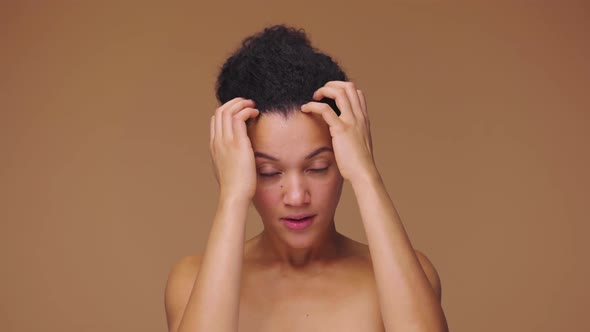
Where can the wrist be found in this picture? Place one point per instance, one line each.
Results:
(233, 200)
(370, 176)
(232, 211)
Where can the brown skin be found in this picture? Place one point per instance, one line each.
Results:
(334, 294)
(311, 279)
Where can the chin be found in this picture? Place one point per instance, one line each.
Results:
(302, 240)
(299, 241)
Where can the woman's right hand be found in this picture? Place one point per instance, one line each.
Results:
(231, 150)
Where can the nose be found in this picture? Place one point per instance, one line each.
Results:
(295, 191)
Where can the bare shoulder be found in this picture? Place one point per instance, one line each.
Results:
(430, 272)
(178, 288)
(361, 250)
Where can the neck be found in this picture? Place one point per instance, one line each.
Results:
(325, 248)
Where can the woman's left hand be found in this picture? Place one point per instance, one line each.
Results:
(351, 135)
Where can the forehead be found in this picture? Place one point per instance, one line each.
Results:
(291, 136)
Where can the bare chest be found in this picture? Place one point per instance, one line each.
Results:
(321, 304)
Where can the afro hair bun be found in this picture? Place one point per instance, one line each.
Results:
(277, 68)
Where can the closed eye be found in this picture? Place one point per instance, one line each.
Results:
(318, 170)
(269, 174)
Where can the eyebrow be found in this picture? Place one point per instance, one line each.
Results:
(309, 156)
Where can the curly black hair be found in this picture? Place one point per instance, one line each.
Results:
(278, 69)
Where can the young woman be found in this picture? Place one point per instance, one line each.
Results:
(290, 130)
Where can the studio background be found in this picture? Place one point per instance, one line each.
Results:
(480, 122)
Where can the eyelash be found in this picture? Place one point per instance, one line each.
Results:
(319, 170)
(269, 174)
(314, 170)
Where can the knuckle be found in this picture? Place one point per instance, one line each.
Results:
(227, 113)
(245, 102)
(340, 93)
(324, 107)
(336, 129)
(247, 109)
(239, 106)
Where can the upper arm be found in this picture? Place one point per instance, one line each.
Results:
(178, 289)
(431, 274)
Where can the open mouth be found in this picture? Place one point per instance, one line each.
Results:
(298, 219)
(298, 222)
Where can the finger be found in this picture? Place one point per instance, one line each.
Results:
(239, 121)
(218, 126)
(228, 115)
(211, 131)
(352, 94)
(246, 113)
(365, 112)
(229, 104)
(339, 95)
(363, 101)
(218, 115)
(324, 110)
(212, 145)
(364, 106)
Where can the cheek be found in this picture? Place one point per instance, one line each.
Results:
(265, 199)
(327, 191)
(323, 192)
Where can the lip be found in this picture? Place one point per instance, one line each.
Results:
(299, 216)
(304, 221)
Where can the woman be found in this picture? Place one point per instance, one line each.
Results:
(290, 130)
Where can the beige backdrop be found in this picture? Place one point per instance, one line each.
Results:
(481, 127)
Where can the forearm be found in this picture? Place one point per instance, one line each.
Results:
(408, 303)
(214, 302)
